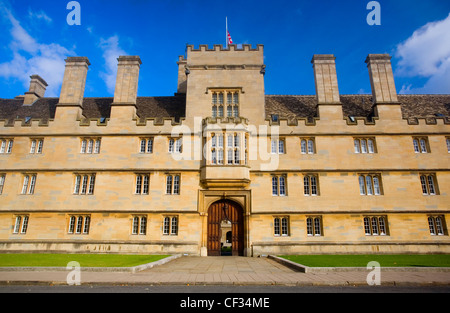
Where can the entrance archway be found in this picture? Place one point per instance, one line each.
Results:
(225, 211)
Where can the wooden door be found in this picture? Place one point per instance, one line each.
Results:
(222, 211)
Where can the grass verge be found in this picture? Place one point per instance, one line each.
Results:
(402, 260)
(85, 260)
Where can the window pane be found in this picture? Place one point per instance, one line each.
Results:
(90, 146)
(439, 227)
(362, 187)
(26, 179)
(309, 226)
(367, 226)
(72, 224)
(169, 185)
(214, 111)
(174, 228)
(274, 186)
(79, 224)
(284, 226)
(143, 228)
(17, 224)
(416, 146)
(229, 111)
(91, 185)
(24, 225)
(376, 185)
(143, 143)
(32, 184)
(423, 146)
(431, 185)
(431, 226)
(313, 186)
(374, 226)
(135, 225)
(369, 185)
(87, 221)
(274, 146)
(382, 226)
(176, 185)
(171, 145)
(303, 146)
(282, 186)
(370, 146)
(306, 185)
(357, 149)
(97, 146)
(145, 186)
(138, 184)
(448, 145)
(363, 146)
(281, 146)
(33, 146)
(310, 147)
(276, 226)
(40, 146)
(317, 227)
(166, 226)
(423, 182)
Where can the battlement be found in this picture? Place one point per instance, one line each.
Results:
(220, 55)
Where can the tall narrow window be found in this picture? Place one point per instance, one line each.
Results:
(79, 224)
(307, 146)
(84, 184)
(310, 185)
(2, 182)
(139, 226)
(21, 224)
(437, 225)
(36, 146)
(429, 184)
(279, 187)
(170, 225)
(375, 226)
(364, 145)
(29, 184)
(447, 140)
(421, 145)
(6, 146)
(314, 226)
(370, 184)
(142, 184)
(173, 184)
(90, 145)
(146, 145)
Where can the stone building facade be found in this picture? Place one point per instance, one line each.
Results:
(326, 173)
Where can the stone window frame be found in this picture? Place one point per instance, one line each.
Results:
(308, 185)
(146, 145)
(307, 145)
(281, 226)
(21, 222)
(277, 186)
(371, 185)
(314, 226)
(142, 184)
(175, 145)
(90, 145)
(437, 225)
(36, 145)
(2, 182)
(170, 225)
(429, 184)
(376, 225)
(28, 183)
(421, 144)
(139, 225)
(84, 184)
(6, 145)
(173, 184)
(78, 224)
(365, 145)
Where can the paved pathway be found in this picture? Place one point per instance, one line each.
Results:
(226, 271)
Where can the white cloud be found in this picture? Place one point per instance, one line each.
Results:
(41, 15)
(427, 54)
(32, 57)
(111, 52)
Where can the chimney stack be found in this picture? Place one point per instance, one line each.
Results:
(127, 80)
(182, 76)
(327, 90)
(36, 90)
(329, 105)
(381, 78)
(384, 94)
(74, 81)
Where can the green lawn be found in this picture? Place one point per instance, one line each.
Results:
(85, 260)
(434, 260)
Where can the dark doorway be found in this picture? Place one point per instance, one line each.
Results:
(225, 226)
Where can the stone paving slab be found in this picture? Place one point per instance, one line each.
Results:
(226, 271)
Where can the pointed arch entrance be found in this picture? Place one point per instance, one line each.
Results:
(225, 211)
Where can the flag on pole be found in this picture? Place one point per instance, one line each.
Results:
(229, 40)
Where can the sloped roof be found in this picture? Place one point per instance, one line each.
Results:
(285, 106)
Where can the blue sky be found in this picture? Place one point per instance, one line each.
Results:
(36, 39)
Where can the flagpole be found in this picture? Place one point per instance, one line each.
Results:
(226, 32)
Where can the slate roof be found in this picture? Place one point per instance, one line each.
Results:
(285, 106)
